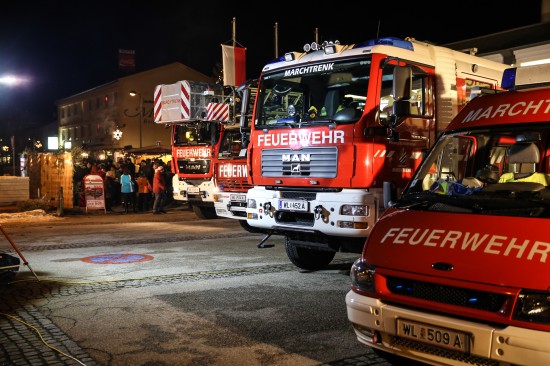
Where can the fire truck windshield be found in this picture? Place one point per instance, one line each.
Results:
(195, 133)
(316, 93)
(496, 171)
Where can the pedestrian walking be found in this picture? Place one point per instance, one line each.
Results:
(159, 190)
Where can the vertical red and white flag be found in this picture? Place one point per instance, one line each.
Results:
(234, 65)
(126, 60)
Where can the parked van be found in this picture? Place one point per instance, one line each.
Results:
(457, 271)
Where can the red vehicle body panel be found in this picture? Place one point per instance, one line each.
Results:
(507, 108)
(498, 252)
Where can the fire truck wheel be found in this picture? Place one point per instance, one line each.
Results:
(307, 258)
(205, 212)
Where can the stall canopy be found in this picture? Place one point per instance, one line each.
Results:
(150, 150)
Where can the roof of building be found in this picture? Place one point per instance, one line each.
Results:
(511, 39)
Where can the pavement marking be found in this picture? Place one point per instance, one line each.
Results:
(117, 258)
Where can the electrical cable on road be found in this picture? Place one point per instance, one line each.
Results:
(41, 338)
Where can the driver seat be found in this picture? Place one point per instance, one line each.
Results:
(332, 101)
(524, 159)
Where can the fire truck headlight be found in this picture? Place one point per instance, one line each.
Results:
(362, 276)
(251, 203)
(358, 225)
(354, 210)
(533, 307)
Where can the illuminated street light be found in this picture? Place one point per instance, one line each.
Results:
(12, 80)
(133, 93)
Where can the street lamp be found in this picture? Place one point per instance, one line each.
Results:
(133, 93)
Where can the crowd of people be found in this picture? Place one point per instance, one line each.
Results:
(144, 188)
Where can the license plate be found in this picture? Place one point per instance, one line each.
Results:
(426, 333)
(193, 190)
(238, 197)
(293, 205)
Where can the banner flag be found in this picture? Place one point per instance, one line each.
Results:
(234, 65)
(126, 60)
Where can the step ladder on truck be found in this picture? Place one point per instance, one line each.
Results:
(201, 115)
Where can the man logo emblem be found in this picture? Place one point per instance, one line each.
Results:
(295, 168)
(296, 157)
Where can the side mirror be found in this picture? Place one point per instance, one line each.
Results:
(402, 83)
(244, 109)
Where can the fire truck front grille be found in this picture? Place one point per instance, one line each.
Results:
(471, 299)
(194, 182)
(239, 213)
(310, 162)
(233, 184)
(295, 218)
(296, 195)
(197, 166)
(305, 219)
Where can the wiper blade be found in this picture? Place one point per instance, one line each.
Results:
(432, 201)
(514, 187)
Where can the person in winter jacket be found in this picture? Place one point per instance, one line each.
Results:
(159, 190)
(143, 192)
(127, 188)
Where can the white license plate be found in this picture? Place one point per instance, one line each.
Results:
(293, 205)
(193, 190)
(238, 197)
(426, 333)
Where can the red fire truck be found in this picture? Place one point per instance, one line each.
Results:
(230, 170)
(338, 130)
(456, 271)
(202, 120)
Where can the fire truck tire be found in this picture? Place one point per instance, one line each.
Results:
(205, 212)
(251, 229)
(307, 258)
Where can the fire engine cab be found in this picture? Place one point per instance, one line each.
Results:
(338, 130)
(203, 128)
(230, 170)
(457, 270)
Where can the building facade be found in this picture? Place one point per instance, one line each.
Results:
(118, 116)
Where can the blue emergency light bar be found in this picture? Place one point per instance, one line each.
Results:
(526, 77)
(509, 78)
(386, 41)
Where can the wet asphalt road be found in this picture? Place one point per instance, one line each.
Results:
(143, 289)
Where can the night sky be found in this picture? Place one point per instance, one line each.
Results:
(64, 48)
